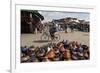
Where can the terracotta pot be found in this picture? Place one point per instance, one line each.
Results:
(67, 55)
(50, 54)
(62, 49)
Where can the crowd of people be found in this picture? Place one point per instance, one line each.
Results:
(61, 51)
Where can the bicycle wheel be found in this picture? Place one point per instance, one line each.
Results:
(57, 37)
(44, 37)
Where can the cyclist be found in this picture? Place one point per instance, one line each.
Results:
(52, 31)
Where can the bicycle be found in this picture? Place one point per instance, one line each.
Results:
(47, 37)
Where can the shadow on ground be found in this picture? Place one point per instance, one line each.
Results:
(85, 34)
(41, 41)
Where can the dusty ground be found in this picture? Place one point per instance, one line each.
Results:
(34, 39)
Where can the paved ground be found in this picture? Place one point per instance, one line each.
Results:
(34, 39)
